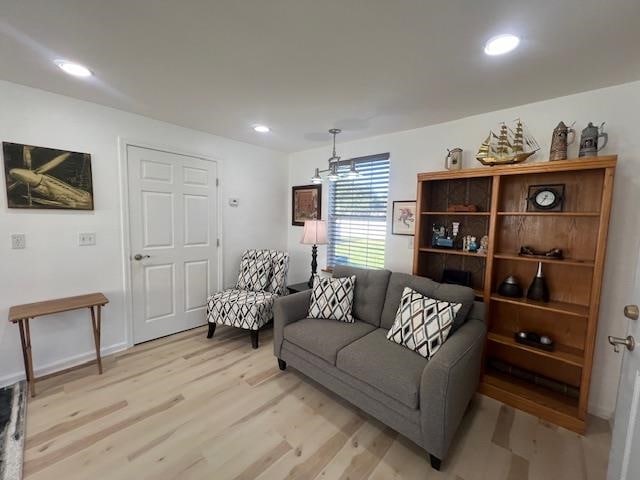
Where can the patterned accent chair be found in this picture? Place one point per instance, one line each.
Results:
(250, 309)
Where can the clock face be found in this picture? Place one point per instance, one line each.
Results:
(546, 198)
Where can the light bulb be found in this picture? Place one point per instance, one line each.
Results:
(353, 173)
(74, 69)
(316, 179)
(501, 44)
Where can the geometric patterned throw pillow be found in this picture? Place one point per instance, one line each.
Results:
(254, 275)
(422, 323)
(332, 298)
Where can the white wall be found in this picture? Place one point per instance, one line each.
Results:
(424, 149)
(53, 265)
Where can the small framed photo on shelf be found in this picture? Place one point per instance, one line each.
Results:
(306, 204)
(404, 217)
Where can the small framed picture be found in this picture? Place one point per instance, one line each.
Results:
(404, 218)
(306, 204)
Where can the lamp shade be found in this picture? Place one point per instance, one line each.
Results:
(315, 233)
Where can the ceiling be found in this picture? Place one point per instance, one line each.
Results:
(304, 66)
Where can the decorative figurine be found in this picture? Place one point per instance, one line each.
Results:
(510, 287)
(455, 229)
(560, 141)
(555, 253)
(589, 140)
(473, 245)
(538, 290)
(453, 161)
(440, 238)
(507, 147)
(484, 245)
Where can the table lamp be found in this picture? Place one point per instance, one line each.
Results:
(315, 233)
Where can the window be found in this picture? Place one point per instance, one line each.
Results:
(357, 219)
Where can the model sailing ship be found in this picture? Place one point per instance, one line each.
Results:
(507, 147)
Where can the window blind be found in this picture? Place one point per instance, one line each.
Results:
(357, 218)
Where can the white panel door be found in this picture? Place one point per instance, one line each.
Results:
(173, 229)
(624, 460)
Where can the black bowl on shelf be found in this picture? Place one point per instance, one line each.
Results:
(532, 339)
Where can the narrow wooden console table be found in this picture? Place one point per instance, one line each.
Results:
(21, 314)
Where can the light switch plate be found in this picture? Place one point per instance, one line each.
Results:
(86, 239)
(18, 241)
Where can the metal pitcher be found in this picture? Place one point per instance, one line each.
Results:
(560, 141)
(589, 140)
(453, 161)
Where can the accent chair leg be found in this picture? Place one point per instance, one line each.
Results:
(435, 462)
(212, 329)
(254, 339)
(282, 365)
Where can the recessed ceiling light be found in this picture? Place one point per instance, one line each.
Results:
(501, 44)
(74, 69)
(261, 128)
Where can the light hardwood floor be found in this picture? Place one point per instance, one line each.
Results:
(187, 407)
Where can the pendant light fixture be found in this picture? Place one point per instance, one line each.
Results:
(334, 163)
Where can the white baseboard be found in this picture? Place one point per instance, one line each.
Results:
(603, 413)
(63, 364)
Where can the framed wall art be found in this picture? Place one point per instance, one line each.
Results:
(306, 204)
(404, 217)
(40, 177)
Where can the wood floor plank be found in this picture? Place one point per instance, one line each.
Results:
(189, 407)
(75, 422)
(264, 462)
(86, 442)
(361, 453)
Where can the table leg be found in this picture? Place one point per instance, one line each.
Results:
(95, 323)
(25, 338)
(23, 342)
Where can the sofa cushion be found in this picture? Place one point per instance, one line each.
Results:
(332, 298)
(425, 286)
(384, 365)
(324, 338)
(371, 288)
(422, 323)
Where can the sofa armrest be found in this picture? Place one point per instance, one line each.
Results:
(478, 312)
(449, 381)
(286, 310)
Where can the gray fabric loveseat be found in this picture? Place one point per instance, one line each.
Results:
(422, 399)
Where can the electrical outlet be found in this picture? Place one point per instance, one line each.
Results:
(18, 241)
(86, 239)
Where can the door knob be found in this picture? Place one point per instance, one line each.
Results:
(139, 256)
(632, 312)
(628, 342)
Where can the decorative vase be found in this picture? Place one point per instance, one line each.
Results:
(510, 288)
(538, 290)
